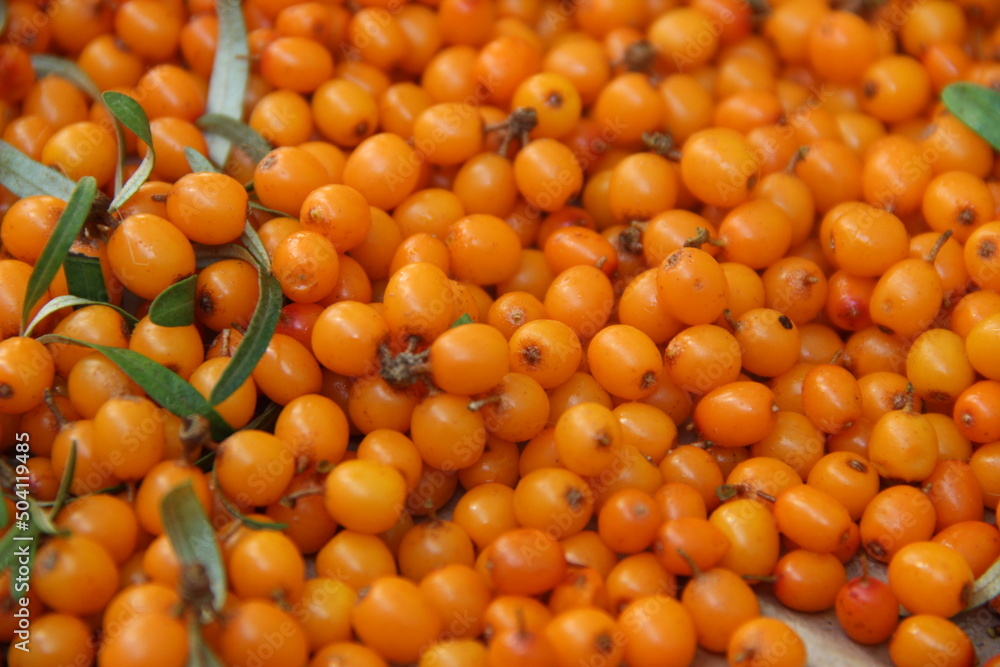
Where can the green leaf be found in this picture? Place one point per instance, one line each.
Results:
(71, 301)
(252, 347)
(174, 306)
(3, 15)
(198, 162)
(199, 653)
(67, 228)
(260, 207)
(25, 178)
(193, 539)
(976, 106)
(46, 64)
(4, 514)
(205, 255)
(247, 139)
(161, 385)
(84, 277)
(465, 318)
(255, 246)
(131, 114)
(265, 420)
(230, 73)
(43, 520)
(69, 70)
(67, 480)
(253, 524)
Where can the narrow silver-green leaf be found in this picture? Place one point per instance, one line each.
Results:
(4, 514)
(199, 653)
(197, 161)
(230, 73)
(43, 520)
(174, 306)
(45, 64)
(234, 512)
(245, 137)
(66, 230)
(3, 25)
(976, 106)
(62, 495)
(84, 277)
(132, 116)
(69, 70)
(26, 178)
(260, 207)
(72, 301)
(161, 384)
(193, 539)
(262, 325)
(464, 318)
(204, 255)
(251, 241)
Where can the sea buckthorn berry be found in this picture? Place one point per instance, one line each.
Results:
(252, 619)
(808, 581)
(686, 544)
(28, 224)
(573, 246)
(483, 249)
(347, 336)
(769, 341)
(795, 286)
(692, 286)
(27, 370)
(545, 350)
(581, 297)
(756, 233)
(903, 445)
(719, 602)
(365, 496)
(848, 478)
(982, 256)
(895, 89)
(766, 637)
(841, 46)
(253, 455)
(128, 436)
(703, 357)
(150, 29)
(897, 516)
(582, 636)
(937, 366)
(831, 398)
(555, 99)
(907, 297)
(922, 635)
(736, 414)
(74, 575)
(226, 294)
(977, 541)
(448, 133)
(208, 208)
(719, 167)
(344, 112)
(469, 359)
(588, 438)
(930, 578)
(418, 301)
(525, 561)
(285, 177)
(625, 361)
(973, 412)
(384, 169)
(958, 201)
(642, 185)
(811, 518)
(306, 265)
(81, 149)
(547, 174)
(298, 64)
(832, 172)
(554, 500)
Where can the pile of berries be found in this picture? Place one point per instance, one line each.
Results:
(493, 333)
